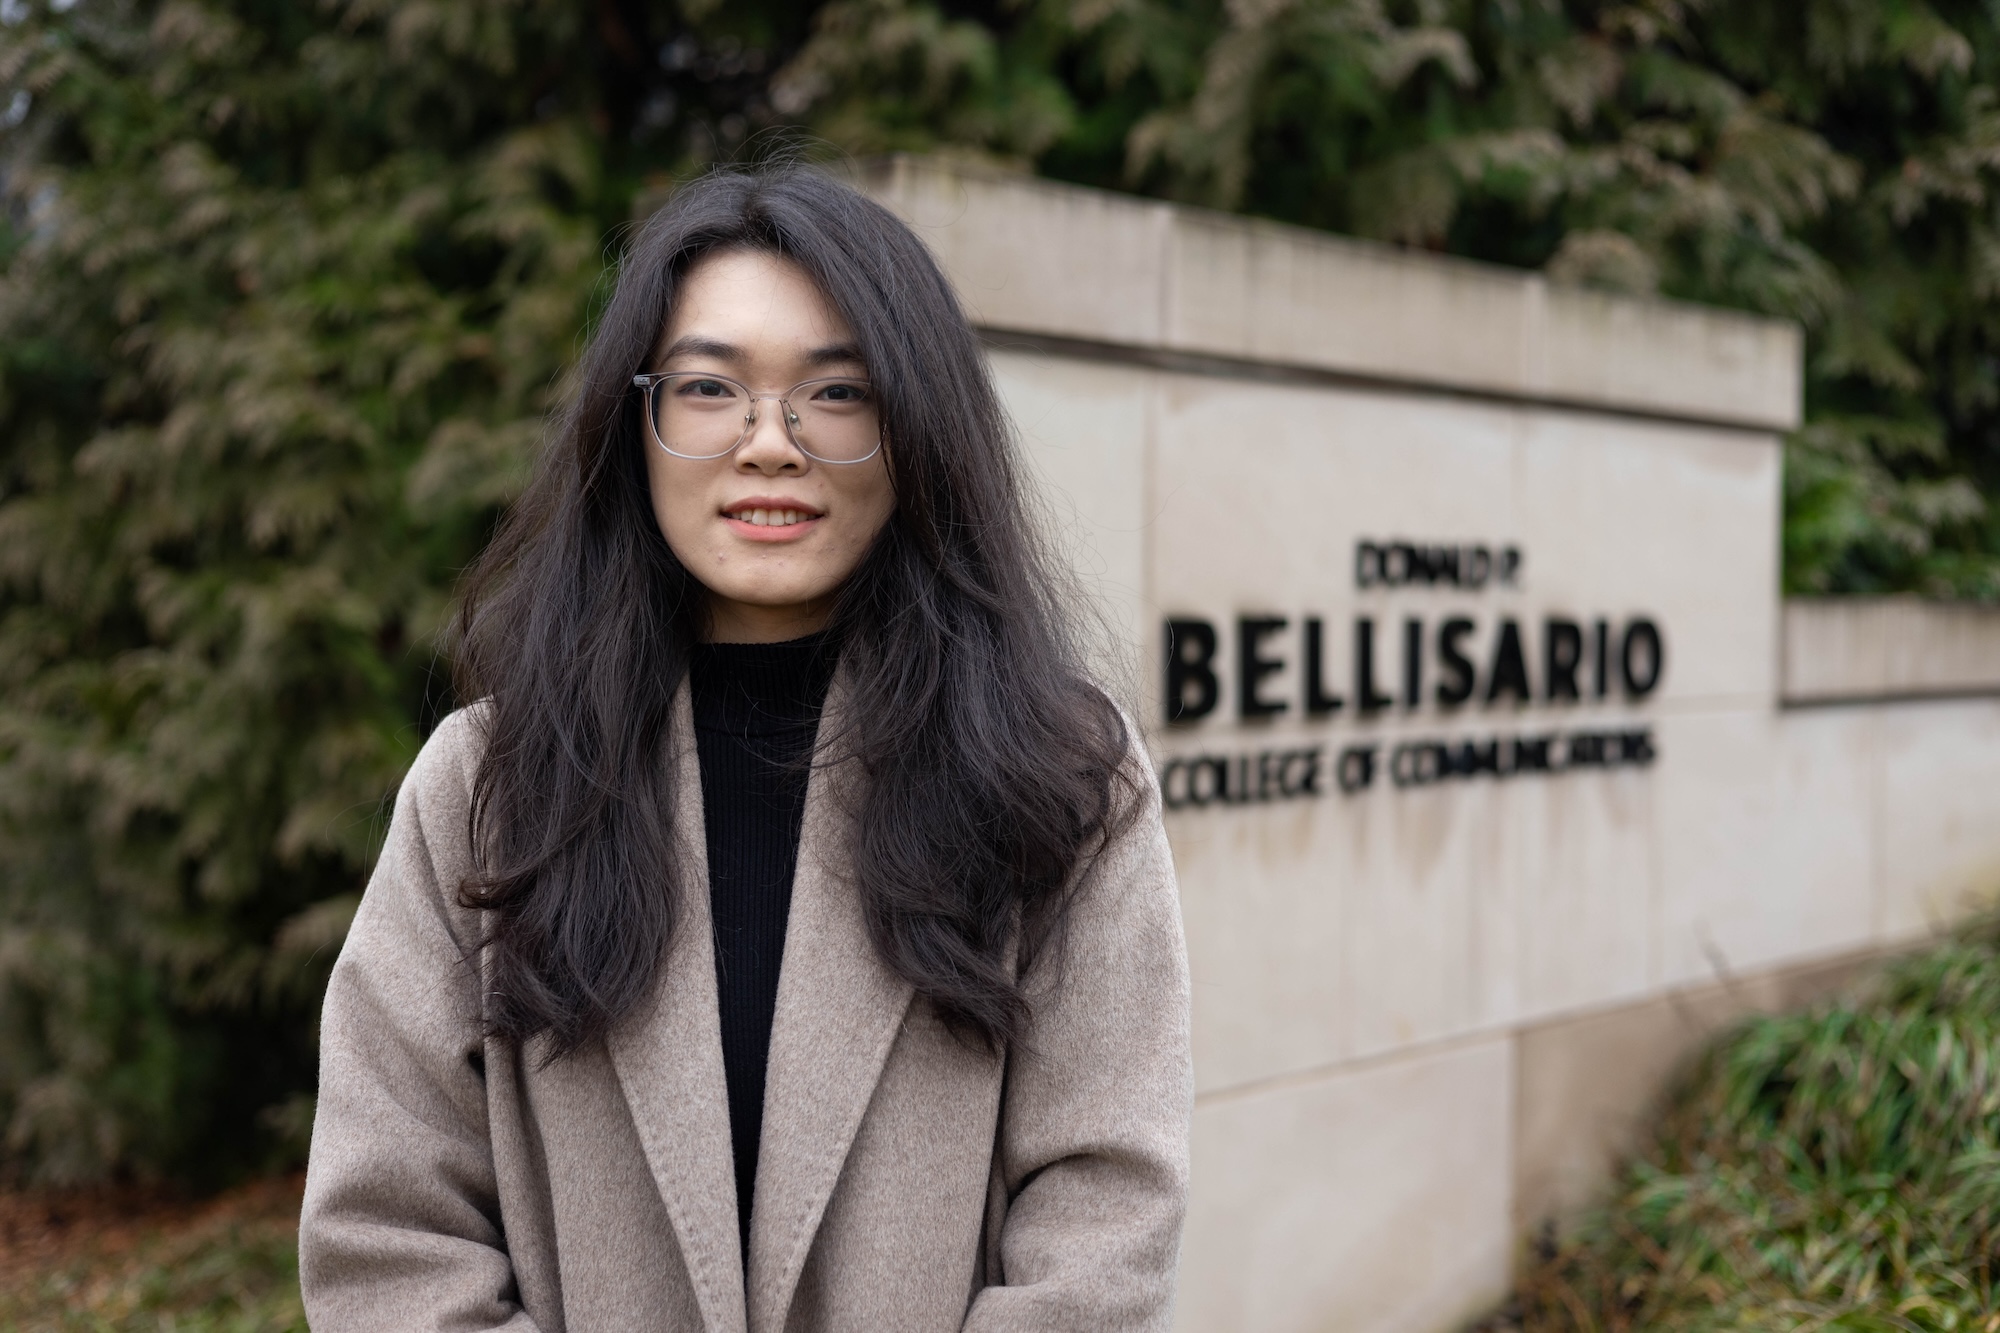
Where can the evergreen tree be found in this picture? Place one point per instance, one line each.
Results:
(1829, 161)
(287, 291)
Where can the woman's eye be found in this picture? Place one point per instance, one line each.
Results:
(844, 393)
(704, 389)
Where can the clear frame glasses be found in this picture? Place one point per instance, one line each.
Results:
(699, 415)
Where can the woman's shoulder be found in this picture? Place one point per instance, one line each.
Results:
(451, 753)
(1132, 831)
(436, 794)
(1125, 912)
(427, 855)
(399, 965)
(1139, 787)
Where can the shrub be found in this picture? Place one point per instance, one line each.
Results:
(285, 292)
(1835, 1169)
(1828, 161)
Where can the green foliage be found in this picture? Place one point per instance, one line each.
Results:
(287, 292)
(1834, 1169)
(1831, 161)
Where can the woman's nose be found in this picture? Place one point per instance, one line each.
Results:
(767, 447)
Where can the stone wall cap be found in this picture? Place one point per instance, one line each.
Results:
(1044, 259)
(1840, 650)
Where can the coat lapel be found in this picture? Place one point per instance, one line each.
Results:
(839, 1010)
(668, 1056)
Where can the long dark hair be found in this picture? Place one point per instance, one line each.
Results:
(991, 763)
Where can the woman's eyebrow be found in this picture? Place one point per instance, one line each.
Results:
(693, 344)
(834, 354)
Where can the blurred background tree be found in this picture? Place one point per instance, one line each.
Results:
(286, 290)
(1828, 161)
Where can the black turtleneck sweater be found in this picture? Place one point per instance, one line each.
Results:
(756, 713)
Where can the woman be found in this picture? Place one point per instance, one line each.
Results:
(787, 940)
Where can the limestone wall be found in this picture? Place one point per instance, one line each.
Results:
(1500, 772)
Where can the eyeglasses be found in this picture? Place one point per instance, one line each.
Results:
(694, 414)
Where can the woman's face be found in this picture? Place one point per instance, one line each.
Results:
(761, 321)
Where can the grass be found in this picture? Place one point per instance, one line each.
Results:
(1835, 1169)
(123, 1261)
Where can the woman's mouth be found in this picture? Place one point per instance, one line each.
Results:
(765, 520)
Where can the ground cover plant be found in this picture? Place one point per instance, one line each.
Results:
(1834, 1169)
(138, 1261)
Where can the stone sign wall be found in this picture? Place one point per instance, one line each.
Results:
(1449, 601)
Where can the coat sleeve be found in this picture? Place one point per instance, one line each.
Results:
(401, 1225)
(1093, 1140)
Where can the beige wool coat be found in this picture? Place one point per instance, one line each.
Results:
(904, 1182)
